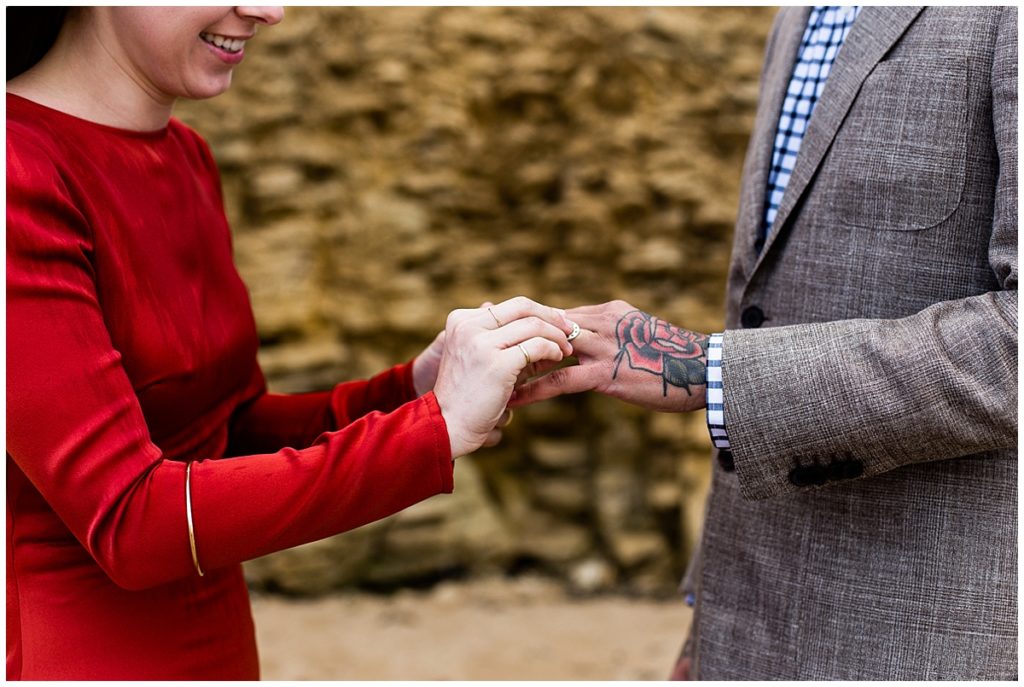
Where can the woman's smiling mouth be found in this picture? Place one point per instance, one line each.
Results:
(231, 45)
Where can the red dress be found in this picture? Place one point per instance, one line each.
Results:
(131, 352)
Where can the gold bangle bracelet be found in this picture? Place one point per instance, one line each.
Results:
(188, 516)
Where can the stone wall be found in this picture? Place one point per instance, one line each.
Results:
(382, 166)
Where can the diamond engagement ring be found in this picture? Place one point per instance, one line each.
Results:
(574, 333)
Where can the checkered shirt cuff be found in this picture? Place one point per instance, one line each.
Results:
(715, 397)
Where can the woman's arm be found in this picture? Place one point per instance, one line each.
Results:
(75, 427)
(266, 422)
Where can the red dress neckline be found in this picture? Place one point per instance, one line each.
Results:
(60, 114)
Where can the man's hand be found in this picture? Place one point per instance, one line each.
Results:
(631, 355)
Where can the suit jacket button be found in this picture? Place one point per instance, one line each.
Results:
(725, 460)
(854, 469)
(752, 317)
(799, 476)
(819, 475)
(837, 470)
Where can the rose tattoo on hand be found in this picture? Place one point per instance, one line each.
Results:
(652, 345)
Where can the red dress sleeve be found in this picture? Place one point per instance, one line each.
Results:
(269, 422)
(75, 427)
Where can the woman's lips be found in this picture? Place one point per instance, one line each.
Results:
(229, 50)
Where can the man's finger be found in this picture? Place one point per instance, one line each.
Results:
(586, 310)
(591, 345)
(567, 380)
(538, 368)
(593, 321)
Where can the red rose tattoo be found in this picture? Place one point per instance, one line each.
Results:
(648, 344)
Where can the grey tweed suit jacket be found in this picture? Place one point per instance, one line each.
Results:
(865, 526)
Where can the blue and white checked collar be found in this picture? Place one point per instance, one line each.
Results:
(826, 30)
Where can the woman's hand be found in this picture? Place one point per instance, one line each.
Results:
(485, 350)
(426, 365)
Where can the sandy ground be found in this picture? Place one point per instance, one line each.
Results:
(521, 629)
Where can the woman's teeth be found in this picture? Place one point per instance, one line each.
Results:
(226, 44)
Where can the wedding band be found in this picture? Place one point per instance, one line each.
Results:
(507, 422)
(525, 354)
(188, 517)
(496, 320)
(574, 333)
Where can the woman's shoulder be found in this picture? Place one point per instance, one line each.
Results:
(193, 142)
(39, 142)
(27, 133)
(33, 151)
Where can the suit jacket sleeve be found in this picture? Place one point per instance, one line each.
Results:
(881, 394)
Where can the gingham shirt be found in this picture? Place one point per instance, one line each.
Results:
(826, 30)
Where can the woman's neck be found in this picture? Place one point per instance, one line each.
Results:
(81, 77)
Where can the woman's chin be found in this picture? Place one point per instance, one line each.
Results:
(209, 87)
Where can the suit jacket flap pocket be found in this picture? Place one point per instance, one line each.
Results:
(898, 160)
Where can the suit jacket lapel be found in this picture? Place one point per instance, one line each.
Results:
(777, 72)
(874, 32)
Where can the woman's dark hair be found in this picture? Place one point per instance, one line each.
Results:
(31, 31)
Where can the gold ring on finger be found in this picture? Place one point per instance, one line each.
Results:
(525, 354)
(496, 320)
